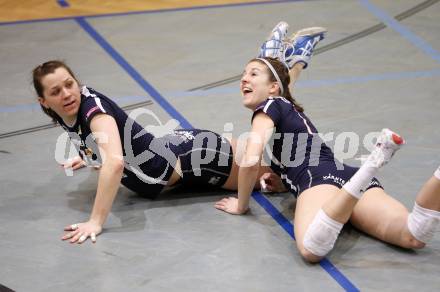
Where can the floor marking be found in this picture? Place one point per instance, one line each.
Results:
(401, 29)
(343, 41)
(73, 17)
(52, 125)
(288, 227)
(63, 3)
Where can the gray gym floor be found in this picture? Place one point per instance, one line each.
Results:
(363, 77)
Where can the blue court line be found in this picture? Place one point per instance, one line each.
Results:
(328, 267)
(20, 107)
(133, 73)
(405, 32)
(368, 78)
(36, 106)
(151, 11)
(288, 227)
(235, 90)
(63, 3)
(312, 83)
(276, 215)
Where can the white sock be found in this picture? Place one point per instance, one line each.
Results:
(422, 223)
(437, 173)
(360, 180)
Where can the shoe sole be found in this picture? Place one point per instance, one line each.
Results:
(276, 26)
(308, 31)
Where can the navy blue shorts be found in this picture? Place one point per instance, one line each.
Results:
(207, 158)
(325, 173)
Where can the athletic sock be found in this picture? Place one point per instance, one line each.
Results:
(387, 144)
(360, 180)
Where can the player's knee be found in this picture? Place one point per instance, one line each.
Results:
(416, 244)
(421, 225)
(309, 256)
(320, 237)
(409, 241)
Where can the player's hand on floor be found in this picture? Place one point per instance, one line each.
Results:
(74, 163)
(79, 232)
(229, 205)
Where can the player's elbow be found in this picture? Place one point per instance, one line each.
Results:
(250, 162)
(115, 164)
(249, 169)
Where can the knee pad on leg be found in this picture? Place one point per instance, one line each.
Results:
(422, 223)
(321, 235)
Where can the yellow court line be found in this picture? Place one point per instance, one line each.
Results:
(22, 10)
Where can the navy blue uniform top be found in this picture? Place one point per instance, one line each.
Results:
(149, 161)
(296, 145)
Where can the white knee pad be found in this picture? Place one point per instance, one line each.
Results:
(423, 222)
(321, 235)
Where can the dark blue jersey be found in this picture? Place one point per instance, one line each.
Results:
(296, 145)
(149, 160)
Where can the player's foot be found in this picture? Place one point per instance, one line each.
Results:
(274, 44)
(300, 46)
(387, 144)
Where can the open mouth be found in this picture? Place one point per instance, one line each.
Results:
(246, 90)
(69, 104)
